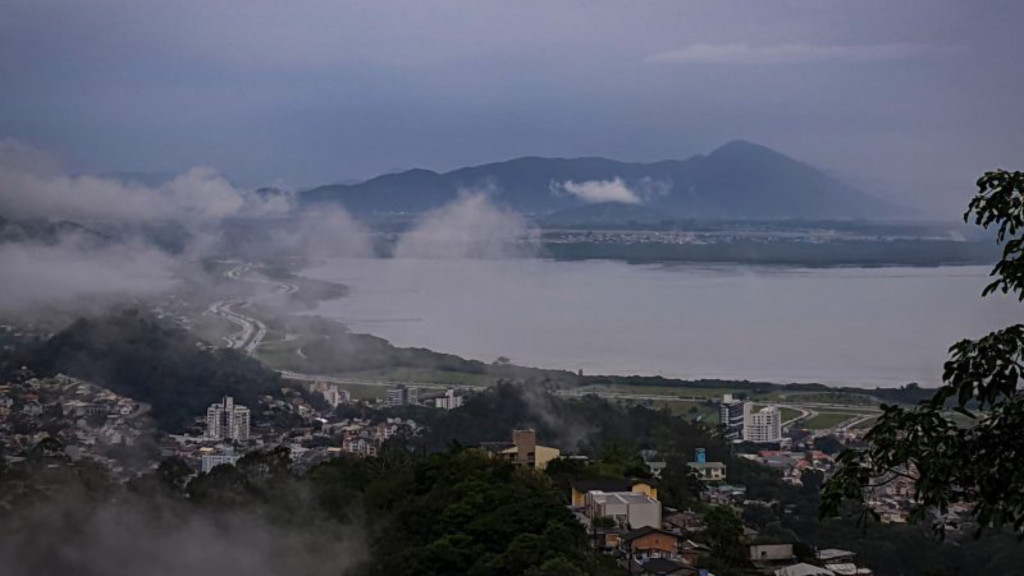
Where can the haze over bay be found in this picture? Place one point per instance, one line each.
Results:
(852, 326)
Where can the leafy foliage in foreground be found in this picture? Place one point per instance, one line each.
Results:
(978, 464)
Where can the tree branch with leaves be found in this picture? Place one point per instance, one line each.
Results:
(980, 463)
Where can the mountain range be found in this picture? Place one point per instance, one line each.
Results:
(739, 180)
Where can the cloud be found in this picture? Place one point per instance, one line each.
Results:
(799, 53)
(596, 191)
(72, 270)
(32, 186)
(469, 227)
(326, 232)
(127, 537)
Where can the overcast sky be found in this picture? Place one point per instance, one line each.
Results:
(908, 99)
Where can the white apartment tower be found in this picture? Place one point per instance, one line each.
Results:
(402, 395)
(225, 421)
(331, 393)
(449, 401)
(731, 415)
(763, 426)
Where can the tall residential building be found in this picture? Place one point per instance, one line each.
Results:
(402, 395)
(225, 421)
(730, 415)
(763, 426)
(331, 393)
(449, 401)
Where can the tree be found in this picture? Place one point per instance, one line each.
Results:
(174, 474)
(828, 444)
(979, 463)
(723, 531)
(679, 485)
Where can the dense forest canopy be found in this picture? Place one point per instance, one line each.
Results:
(149, 360)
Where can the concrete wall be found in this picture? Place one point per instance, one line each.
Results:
(646, 514)
(771, 552)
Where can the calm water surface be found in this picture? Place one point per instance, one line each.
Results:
(863, 327)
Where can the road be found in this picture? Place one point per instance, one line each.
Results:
(808, 406)
(251, 331)
(804, 414)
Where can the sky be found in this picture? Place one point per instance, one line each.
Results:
(909, 100)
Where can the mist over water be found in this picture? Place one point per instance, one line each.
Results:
(861, 327)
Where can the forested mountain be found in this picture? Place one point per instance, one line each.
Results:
(151, 361)
(738, 180)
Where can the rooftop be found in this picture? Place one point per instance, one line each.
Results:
(621, 497)
(803, 569)
(711, 465)
(834, 554)
(641, 532)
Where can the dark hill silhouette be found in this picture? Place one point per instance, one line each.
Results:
(738, 180)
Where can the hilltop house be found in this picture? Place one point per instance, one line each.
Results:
(709, 471)
(523, 450)
(629, 510)
(636, 485)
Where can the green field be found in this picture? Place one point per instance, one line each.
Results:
(281, 355)
(866, 423)
(844, 398)
(677, 391)
(213, 329)
(364, 392)
(424, 375)
(825, 420)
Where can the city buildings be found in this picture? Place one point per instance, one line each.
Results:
(402, 395)
(449, 401)
(210, 458)
(84, 418)
(731, 416)
(331, 393)
(763, 426)
(630, 510)
(226, 421)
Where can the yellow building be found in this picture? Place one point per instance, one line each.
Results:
(523, 450)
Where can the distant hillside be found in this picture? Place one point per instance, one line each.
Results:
(46, 232)
(151, 361)
(739, 180)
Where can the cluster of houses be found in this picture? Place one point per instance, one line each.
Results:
(309, 437)
(89, 421)
(793, 463)
(828, 562)
(627, 521)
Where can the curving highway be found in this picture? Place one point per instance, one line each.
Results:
(251, 331)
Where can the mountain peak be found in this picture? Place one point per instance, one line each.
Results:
(742, 147)
(740, 179)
